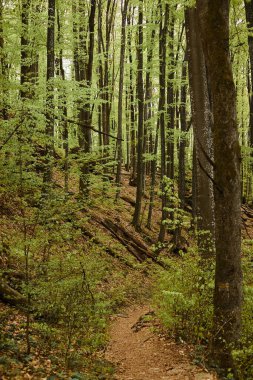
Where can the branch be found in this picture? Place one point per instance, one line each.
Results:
(81, 124)
(10, 136)
(211, 162)
(211, 179)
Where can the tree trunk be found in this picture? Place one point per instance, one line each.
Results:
(85, 114)
(50, 91)
(140, 98)
(120, 99)
(182, 144)
(201, 115)
(162, 97)
(64, 110)
(249, 19)
(3, 70)
(131, 106)
(170, 103)
(214, 22)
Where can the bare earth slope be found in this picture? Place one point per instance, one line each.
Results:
(140, 354)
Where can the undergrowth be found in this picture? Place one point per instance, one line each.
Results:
(70, 287)
(183, 297)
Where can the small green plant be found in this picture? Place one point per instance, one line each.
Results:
(183, 296)
(179, 218)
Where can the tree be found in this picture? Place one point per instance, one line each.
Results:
(249, 19)
(201, 115)
(124, 6)
(161, 109)
(85, 75)
(140, 99)
(50, 90)
(3, 69)
(214, 25)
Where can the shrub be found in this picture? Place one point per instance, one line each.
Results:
(183, 296)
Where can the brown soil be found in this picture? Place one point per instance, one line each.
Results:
(140, 354)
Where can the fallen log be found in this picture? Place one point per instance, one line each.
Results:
(134, 245)
(247, 211)
(128, 200)
(128, 236)
(108, 250)
(10, 295)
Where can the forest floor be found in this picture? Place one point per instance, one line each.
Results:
(125, 262)
(140, 352)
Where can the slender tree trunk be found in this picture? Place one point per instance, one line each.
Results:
(153, 176)
(182, 144)
(25, 68)
(120, 100)
(170, 103)
(148, 99)
(3, 70)
(140, 98)
(64, 110)
(50, 91)
(131, 106)
(85, 114)
(249, 18)
(162, 97)
(105, 82)
(214, 22)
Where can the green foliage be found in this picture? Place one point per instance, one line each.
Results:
(244, 354)
(183, 296)
(180, 217)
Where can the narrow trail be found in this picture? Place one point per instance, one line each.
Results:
(140, 354)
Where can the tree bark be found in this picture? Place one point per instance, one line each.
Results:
(120, 99)
(162, 110)
(131, 107)
(3, 70)
(249, 19)
(85, 113)
(201, 115)
(50, 91)
(182, 144)
(140, 98)
(214, 23)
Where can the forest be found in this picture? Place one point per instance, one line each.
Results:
(126, 189)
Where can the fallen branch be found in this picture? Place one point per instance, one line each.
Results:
(10, 295)
(133, 244)
(108, 250)
(92, 128)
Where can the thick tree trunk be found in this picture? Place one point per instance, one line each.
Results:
(201, 115)
(214, 22)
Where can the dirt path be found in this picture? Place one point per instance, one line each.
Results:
(140, 354)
